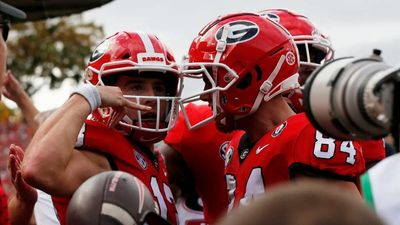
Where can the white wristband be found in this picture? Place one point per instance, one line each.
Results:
(91, 94)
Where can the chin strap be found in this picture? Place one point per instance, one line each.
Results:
(221, 44)
(266, 86)
(220, 48)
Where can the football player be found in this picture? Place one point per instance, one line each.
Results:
(248, 63)
(191, 153)
(315, 49)
(132, 99)
(16, 210)
(195, 160)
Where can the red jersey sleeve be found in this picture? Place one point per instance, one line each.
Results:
(174, 137)
(331, 157)
(373, 150)
(203, 150)
(180, 136)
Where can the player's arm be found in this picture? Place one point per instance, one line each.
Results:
(22, 202)
(179, 174)
(20, 211)
(14, 91)
(304, 173)
(321, 157)
(51, 163)
(373, 151)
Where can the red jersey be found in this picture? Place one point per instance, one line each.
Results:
(373, 150)
(4, 216)
(143, 164)
(292, 146)
(203, 150)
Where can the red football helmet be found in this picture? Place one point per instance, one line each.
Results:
(314, 47)
(137, 54)
(244, 59)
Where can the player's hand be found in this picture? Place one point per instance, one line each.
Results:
(113, 97)
(12, 89)
(24, 192)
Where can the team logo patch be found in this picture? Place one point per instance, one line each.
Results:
(240, 31)
(290, 58)
(140, 159)
(271, 16)
(222, 149)
(100, 50)
(228, 155)
(279, 129)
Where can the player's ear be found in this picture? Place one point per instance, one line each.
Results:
(152, 218)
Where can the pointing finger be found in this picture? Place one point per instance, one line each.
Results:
(136, 106)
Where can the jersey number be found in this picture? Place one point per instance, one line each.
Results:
(160, 198)
(254, 186)
(324, 148)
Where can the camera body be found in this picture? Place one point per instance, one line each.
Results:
(351, 98)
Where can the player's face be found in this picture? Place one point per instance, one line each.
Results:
(144, 86)
(223, 122)
(141, 86)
